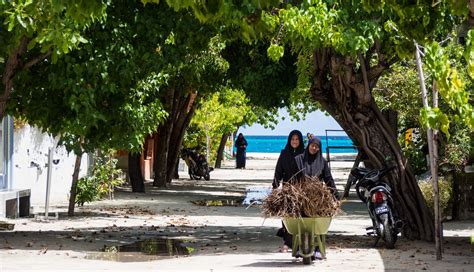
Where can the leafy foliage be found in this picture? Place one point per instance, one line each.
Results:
(399, 90)
(415, 152)
(48, 25)
(275, 52)
(221, 113)
(266, 83)
(445, 194)
(101, 182)
(459, 149)
(452, 89)
(110, 92)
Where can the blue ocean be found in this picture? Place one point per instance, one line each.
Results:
(274, 144)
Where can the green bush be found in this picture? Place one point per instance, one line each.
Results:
(457, 151)
(101, 183)
(86, 190)
(416, 157)
(445, 194)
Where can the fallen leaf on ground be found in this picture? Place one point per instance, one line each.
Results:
(43, 250)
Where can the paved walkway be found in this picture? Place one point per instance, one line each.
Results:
(222, 238)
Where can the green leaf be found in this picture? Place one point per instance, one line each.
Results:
(11, 23)
(275, 52)
(31, 44)
(20, 20)
(434, 118)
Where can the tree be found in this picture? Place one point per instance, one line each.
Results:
(185, 58)
(351, 44)
(196, 68)
(36, 30)
(398, 90)
(103, 96)
(218, 116)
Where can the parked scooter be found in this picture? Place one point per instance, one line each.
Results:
(197, 165)
(377, 195)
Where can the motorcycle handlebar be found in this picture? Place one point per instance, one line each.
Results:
(381, 173)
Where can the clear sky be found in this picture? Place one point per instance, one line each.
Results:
(316, 123)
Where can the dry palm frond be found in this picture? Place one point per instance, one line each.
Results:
(308, 197)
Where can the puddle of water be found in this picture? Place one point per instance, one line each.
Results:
(142, 251)
(218, 202)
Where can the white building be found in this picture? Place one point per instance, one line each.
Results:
(23, 170)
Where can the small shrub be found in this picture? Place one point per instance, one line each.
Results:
(86, 190)
(417, 158)
(101, 183)
(445, 194)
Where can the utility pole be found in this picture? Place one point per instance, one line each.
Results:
(433, 150)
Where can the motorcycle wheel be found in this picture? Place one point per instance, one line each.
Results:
(390, 237)
(196, 177)
(306, 248)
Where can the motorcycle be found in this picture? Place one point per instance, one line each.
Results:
(376, 194)
(197, 165)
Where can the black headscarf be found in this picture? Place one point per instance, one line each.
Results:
(240, 141)
(300, 148)
(313, 165)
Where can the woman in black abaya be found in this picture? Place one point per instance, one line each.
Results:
(312, 164)
(241, 145)
(285, 169)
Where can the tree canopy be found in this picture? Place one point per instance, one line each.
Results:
(221, 113)
(345, 47)
(110, 91)
(34, 30)
(154, 62)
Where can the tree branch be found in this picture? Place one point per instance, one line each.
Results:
(364, 71)
(36, 59)
(11, 67)
(366, 96)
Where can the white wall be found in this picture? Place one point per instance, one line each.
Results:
(30, 145)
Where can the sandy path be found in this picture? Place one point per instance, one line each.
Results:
(223, 238)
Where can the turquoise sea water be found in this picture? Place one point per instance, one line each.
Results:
(274, 144)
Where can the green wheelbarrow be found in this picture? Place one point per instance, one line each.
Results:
(307, 231)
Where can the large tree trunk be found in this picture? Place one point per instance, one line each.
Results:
(220, 150)
(161, 156)
(392, 118)
(234, 135)
(181, 123)
(345, 93)
(162, 140)
(170, 135)
(135, 173)
(73, 192)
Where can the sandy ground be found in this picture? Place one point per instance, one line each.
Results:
(223, 238)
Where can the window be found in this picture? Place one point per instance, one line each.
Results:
(6, 148)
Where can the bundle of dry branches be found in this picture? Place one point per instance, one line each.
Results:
(308, 197)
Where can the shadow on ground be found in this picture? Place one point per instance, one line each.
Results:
(209, 240)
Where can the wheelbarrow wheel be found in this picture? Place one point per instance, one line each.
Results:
(306, 248)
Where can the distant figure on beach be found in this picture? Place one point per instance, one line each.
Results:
(241, 145)
(285, 169)
(309, 136)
